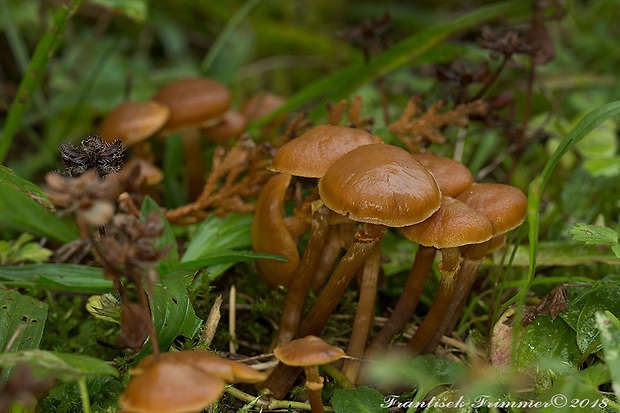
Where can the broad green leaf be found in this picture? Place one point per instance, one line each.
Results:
(25, 186)
(544, 338)
(60, 277)
(593, 234)
(360, 400)
(22, 320)
(61, 365)
(215, 235)
(22, 250)
(167, 238)
(18, 211)
(173, 314)
(616, 250)
(134, 9)
(603, 298)
(223, 257)
(609, 326)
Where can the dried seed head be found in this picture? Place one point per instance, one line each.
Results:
(93, 153)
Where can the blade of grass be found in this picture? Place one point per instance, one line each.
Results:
(30, 83)
(347, 80)
(225, 35)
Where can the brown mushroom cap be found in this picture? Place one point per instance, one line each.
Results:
(228, 370)
(452, 176)
(380, 184)
(132, 122)
(193, 101)
(232, 124)
(455, 224)
(308, 351)
(150, 173)
(270, 234)
(312, 153)
(261, 104)
(167, 387)
(504, 205)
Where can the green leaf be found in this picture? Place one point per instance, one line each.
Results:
(60, 277)
(609, 326)
(561, 253)
(173, 314)
(61, 365)
(22, 321)
(136, 10)
(603, 298)
(33, 191)
(167, 238)
(593, 234)
(216, 235)
(224, 257)
(616, 250)
(544, 338)
(21, 250)
(426, 372)
(19, 211)
(360, 400)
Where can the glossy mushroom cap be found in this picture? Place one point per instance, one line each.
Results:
(227, 370)
(270, 234)
(193, 102)
(308, 351)
(455, 224)
(147, 172)
(312, 153)
(167, 387)
(504, 205)
(132, 122)
(452, 176)
(380, 184)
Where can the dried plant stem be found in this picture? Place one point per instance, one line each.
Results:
(232, 319)
(412, 291)
(144, 301)
(212, 321)
(364, 315)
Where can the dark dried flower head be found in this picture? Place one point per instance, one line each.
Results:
(89, 197)
(93, 153)
(507, 44)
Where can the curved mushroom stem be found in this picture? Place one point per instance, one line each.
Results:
(282, 377)
(293, 304)
(192, 150)
(429, 329)
(450, 261)
(314, 384)
(465, 280)
(364, 315)
(412, 291)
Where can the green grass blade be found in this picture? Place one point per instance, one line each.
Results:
(30, 83)
(347, 80)
(33, 191)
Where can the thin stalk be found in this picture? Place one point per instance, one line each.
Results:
(314, 384)
(331, 251)
(84, 394)
(412, 291)
(294, 301)
(364, 315)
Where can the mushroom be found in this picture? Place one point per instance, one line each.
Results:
(169, 387)
(133, 123)
(193, 103)
(309, 352)
(454, 225)
(453, 178)
(270, 234)
(505, 206)
(232, 125)
(310, 155)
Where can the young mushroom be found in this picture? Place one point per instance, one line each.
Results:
(194, 103)
(309, 352)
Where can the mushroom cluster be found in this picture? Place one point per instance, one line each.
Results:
(365, 187)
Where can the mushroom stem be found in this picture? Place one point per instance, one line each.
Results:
(192, 150)
(450, 260)
(430, 326)
(364, 315)
(465, 280)
(314, 384)
(331, 251)
(293, 304)
(412, 291)
(365, 239)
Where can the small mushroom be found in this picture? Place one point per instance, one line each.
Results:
(310, 352)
